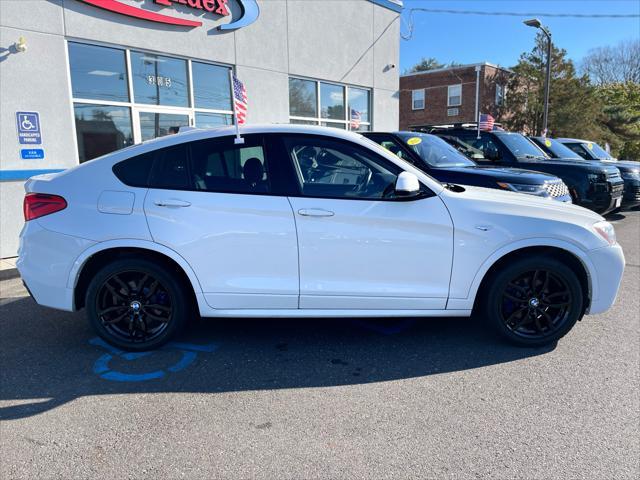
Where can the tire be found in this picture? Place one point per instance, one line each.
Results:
(136, 304)
(538, 316)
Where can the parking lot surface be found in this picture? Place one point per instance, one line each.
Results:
(396, 398)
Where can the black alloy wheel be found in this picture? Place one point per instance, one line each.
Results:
(534, 301)
(136, 304)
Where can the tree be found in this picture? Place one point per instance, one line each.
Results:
(427, 64)
(614, 64)
(574, 107)
(621, 109)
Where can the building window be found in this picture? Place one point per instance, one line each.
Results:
(454, 96)
(211, 86)
(312, 102)
(98, 73)
(417, 99)
(501, 92)
(115, 106)
(102, 129)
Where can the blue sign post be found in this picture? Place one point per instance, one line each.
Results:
(29, 132)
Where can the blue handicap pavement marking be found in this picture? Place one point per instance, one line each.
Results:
(189, 353)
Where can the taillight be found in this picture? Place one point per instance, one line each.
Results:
(38, 205)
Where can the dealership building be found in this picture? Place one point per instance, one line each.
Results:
(81, 78)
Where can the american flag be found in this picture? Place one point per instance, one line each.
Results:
(240, 100)
(355, 119)
(486, 122)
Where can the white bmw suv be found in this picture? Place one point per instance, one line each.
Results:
(302, 222)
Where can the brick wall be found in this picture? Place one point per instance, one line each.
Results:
(436, 95)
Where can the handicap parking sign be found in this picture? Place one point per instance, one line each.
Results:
(29, 132)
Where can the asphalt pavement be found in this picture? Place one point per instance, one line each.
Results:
(270, 398)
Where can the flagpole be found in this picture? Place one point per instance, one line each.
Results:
(238, 140)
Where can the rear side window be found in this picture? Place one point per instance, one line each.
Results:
(218, 165)
(170, 168)
(135, 171)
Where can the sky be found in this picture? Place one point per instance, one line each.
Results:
(501, 39)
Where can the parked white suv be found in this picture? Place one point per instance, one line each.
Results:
(302, 222)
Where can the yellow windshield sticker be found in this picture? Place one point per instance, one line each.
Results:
(590, 146)
(414, 141)
(547, 142)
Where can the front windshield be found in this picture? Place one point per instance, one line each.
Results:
(520, 146)
(559, 149)
(597, 151)
(434, 151)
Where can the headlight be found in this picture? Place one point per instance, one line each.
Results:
(538, 190)
(594, 177)
(632, 175)
(606, 231)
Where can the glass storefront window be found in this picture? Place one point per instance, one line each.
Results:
(153, 125)
(295, 121)
(341, 106)
(102, 129)
(332, 101)
(303, 98)
(359, 103)
(212, 120)
(342, 126)
(159, 80)
(211, 88)
(98, 73)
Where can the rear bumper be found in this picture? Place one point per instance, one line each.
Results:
(608, 263)
(44, 261)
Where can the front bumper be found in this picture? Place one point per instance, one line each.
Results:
(631, 195)
(45, 259)
(608, 264)
(604, 197)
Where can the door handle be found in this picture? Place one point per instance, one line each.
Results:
(315, 212)
(172, 202)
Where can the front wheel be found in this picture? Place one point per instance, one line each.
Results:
(136, 304)
(534, 301)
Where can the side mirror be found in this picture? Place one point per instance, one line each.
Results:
(407, 185)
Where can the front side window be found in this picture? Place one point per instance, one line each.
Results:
(417, 99)
(455, 95)
(101, 129)
(218, 165)
(332, 169)
(159, 80)
(98, 73)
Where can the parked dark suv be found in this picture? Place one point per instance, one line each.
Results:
(443, 162)
(596, 186)
(629, 170)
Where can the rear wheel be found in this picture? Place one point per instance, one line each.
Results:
(534, 301)
(136, 304)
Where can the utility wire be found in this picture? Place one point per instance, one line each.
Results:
(409, 35)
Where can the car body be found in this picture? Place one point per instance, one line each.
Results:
(301, 221)
(594, 186)
(443, 162)
(629, 170)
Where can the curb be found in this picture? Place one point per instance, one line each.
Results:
(9, 273)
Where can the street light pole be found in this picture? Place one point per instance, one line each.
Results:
(534, 22)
